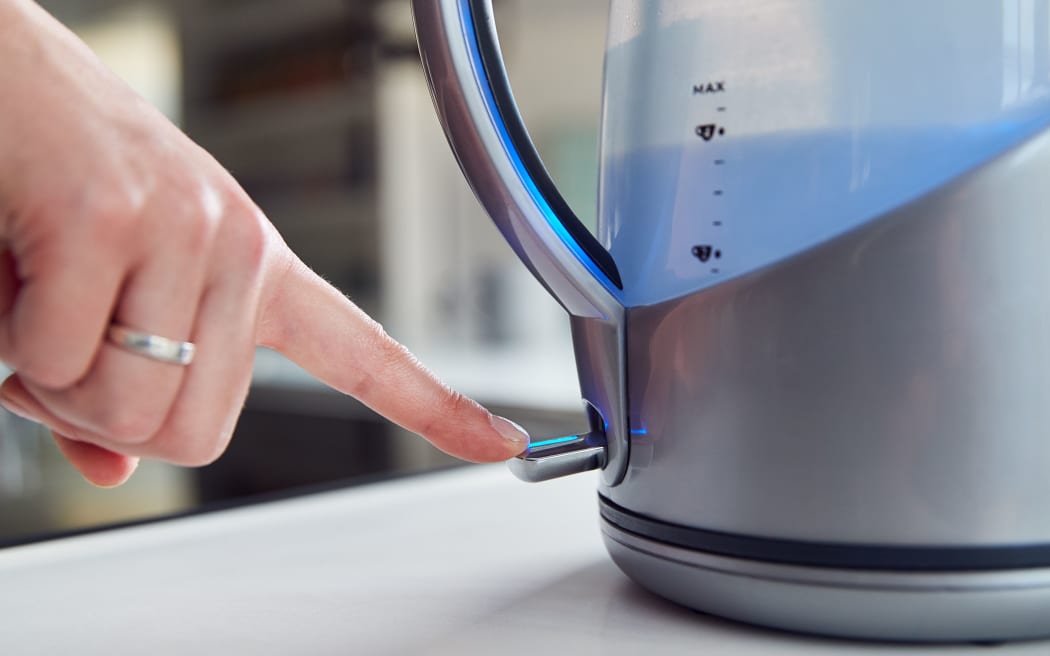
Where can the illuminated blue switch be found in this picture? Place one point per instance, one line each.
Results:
(560, 456)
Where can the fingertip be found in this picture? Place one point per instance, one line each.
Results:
(100, 467)
(500, 440)
(516, 437)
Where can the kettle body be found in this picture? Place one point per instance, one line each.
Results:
(813, 328)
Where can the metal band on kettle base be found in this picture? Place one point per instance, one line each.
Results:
(829, 554)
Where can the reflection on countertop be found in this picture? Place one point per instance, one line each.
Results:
(41, 494)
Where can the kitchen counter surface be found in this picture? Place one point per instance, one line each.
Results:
(462, 562)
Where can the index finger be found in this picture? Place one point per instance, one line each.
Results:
(313, 324)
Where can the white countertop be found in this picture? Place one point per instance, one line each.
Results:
(464, 562)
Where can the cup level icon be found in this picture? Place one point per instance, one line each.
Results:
(708, 131)
(703, 252)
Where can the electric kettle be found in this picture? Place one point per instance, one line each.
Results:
(813, 329)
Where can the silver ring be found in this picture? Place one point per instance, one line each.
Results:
(155, 347)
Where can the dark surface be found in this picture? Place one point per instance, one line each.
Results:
(273, 451)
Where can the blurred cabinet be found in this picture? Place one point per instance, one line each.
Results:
(283, 95)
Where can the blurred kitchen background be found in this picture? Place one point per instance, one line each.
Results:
(319, 108)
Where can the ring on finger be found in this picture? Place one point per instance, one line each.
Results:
(155, 347)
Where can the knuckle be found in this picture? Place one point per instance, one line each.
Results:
(103, 214)
(196, 230)
(198, 456)
(111, 217)
(42, 368)
(455, 404)
(187, 224)
(194, 441)
(191, 451)
(391, 351)
(362, 385)
(130, 423)
(391, 363)
(248, 230)
(451, 406)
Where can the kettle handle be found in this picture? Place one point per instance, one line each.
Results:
(469, 85)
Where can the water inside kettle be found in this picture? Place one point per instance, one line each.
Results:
(680, 218)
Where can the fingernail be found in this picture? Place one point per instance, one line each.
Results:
(14, 408)
(511, 432)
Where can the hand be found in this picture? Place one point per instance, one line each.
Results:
(109, 214)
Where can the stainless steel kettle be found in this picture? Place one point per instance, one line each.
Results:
(814, 329)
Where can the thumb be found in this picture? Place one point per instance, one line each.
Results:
(317, 327)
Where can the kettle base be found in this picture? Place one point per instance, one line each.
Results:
(911, 606)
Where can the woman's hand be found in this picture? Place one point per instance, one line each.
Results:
(109, 214)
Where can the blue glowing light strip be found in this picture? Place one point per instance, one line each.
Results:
(556, 440)
(519, 166)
